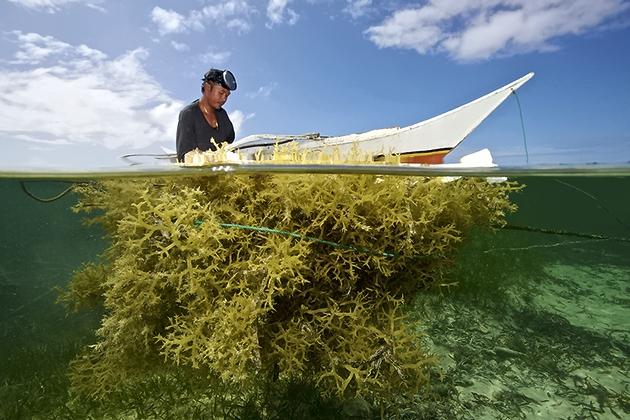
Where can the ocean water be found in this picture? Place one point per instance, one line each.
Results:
(533, 323)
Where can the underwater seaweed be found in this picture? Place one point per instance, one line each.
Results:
(258, 278)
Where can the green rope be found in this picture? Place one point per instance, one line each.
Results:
(520, 111)
(566, 233)
(301, 237)
(306, 238)
(597, 201)
(50, 199)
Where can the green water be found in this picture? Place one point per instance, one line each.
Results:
(531, 324)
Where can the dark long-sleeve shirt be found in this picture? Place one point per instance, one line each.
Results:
(194, 132)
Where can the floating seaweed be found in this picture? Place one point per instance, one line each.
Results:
(253, 279)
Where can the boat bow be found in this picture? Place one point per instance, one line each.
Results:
(424, 142)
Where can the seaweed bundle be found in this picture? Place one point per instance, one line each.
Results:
(259, 278)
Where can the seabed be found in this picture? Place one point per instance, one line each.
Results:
(555, 346)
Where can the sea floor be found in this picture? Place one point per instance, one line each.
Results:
(543, 339)
(555, 346)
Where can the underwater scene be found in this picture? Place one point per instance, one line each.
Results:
(315, 296)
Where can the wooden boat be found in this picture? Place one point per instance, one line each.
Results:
(424, 142)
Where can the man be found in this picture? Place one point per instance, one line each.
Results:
(205, 118)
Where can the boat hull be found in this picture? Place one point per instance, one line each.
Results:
(427, 142)
(427, 157)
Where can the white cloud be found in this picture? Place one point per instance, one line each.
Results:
(263, 91)
(53, 6)
(241, 26)
(278, 12)
(31, 139)
(232, 14)
(238, 118)
(168, 21)
(68, 106)
(36, 48)
(358, 8)
(214, 57)
(470, 30)
(69, 94)
(180, 46)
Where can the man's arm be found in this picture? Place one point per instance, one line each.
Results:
(186, 140)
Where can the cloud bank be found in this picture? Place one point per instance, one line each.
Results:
(232, 14)
(358, 8)
(53, 6)
(469, 30)
(278, 12)
(55, 96)
(235, 15)
(55, 93)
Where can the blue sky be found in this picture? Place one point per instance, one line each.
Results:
(85, 81)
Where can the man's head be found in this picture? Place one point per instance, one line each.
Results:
(217, 85)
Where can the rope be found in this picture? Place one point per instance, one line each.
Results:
(47, 200)
(565, 233)
(597, 201)
(302, 237)
(391, 254)
(520, 111)
(307, 238)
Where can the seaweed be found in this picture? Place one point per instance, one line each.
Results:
(259, 279)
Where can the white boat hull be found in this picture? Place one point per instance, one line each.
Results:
(424, 142)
